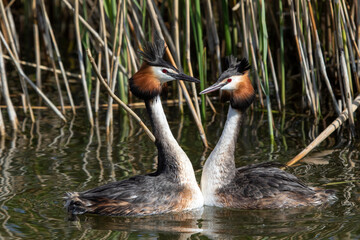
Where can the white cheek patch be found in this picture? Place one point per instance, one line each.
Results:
(163, 77)
(231, 86)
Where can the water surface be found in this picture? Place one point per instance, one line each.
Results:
(49, 158)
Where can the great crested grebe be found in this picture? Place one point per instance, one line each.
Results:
(173, 187)
(256, 186)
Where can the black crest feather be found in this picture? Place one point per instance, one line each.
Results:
(153, 53)
(235, 67)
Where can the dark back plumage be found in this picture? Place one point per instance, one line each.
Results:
(265, 186)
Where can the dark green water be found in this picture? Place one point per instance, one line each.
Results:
(49, 158)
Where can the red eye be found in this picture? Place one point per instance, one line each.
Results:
(164, 71)
(229, 80)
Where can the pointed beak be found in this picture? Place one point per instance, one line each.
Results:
(213, 88)
(184, 77)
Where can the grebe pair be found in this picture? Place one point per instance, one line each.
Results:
(173, 187)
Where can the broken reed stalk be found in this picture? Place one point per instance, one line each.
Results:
(121, 103)
(22, 74)
(81, 64)
(324, 134)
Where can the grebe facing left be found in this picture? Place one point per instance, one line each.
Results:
(173, 187)
(256, 186)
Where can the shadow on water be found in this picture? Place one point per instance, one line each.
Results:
(49, 158)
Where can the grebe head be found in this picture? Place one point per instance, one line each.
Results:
(147, 82)
(234, 84)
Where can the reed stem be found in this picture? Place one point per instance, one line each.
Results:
(81, 64)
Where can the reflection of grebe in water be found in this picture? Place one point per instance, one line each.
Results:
(173, 186)
(257, 186)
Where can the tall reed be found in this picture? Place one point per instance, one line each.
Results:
(294, 42)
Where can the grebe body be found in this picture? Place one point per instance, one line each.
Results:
(173, 187)
(257, 186)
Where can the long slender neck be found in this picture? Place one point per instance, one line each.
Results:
(220, 166)
(171, 158)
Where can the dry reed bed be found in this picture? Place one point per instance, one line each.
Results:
(319, 39)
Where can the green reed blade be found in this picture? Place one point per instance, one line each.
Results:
(122, 85)
(225, 12)
(282, 53)
(85, 40)
(110, 7)
(197, 29)
(264, 49)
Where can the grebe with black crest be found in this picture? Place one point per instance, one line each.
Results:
(173, 187)
(256, 186)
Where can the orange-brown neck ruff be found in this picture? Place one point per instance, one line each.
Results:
(144, 84)
(244, 95)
